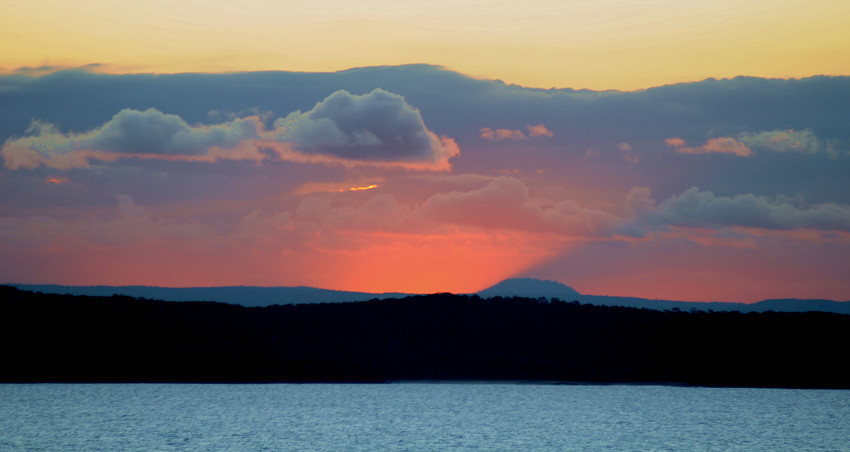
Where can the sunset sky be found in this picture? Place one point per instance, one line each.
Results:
(689, 150)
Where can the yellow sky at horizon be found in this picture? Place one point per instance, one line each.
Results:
(543, 43)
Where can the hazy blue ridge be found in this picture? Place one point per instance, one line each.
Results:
(514, 287)
(530, 287)
(535, 288)
(241, 295)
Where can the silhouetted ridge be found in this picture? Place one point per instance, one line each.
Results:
(428, 337)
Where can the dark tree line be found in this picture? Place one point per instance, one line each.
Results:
(431, 337)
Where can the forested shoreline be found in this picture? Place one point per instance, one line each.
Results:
(65, 338)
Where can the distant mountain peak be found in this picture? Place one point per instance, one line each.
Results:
(530, 287)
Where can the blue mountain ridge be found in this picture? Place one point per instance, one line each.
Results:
(241, 295)
(520, 287)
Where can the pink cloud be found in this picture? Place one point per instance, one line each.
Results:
(724, 145)
(539, 131)
(675, 142)
(502, 134)
(628, 154)
(535, 131)
(506, 203)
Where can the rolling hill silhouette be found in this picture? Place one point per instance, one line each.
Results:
(521, 287)
(531, 288)
(66, 338)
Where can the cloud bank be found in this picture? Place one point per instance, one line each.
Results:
(374, 128)
(703, 209)
(209, 179)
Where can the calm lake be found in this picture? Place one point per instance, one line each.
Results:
(418, 416)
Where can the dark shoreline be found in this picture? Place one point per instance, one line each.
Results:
(430, 338)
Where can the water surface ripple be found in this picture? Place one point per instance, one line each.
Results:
(419, 416)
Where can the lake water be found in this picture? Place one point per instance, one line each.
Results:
(419, 416)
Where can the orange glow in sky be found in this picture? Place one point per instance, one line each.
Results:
(444, 175)
(463, 261)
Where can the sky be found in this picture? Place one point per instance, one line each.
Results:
(663, 149)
